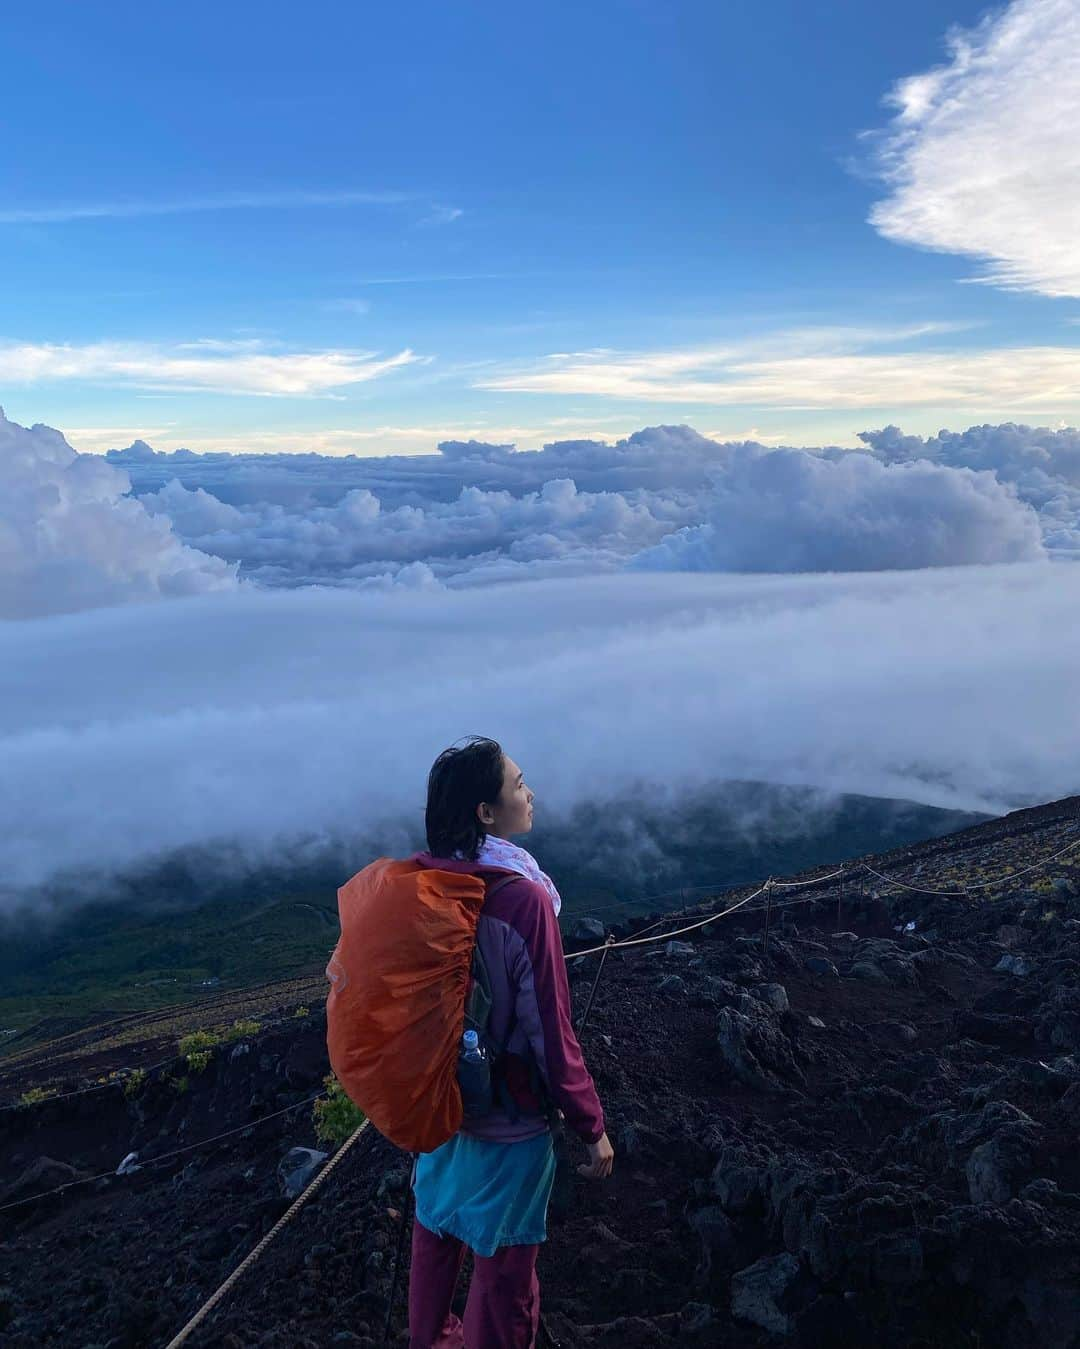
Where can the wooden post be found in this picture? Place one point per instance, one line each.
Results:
(768, 915)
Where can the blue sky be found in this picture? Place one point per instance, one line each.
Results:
(355, 230)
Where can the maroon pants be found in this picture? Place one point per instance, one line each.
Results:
(503, 1308)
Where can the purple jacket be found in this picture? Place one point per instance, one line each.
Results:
(519, 938)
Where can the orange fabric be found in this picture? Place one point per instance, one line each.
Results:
(395, 1012)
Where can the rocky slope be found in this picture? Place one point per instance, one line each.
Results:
(865, 1134)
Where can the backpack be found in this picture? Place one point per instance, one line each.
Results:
(406, 978)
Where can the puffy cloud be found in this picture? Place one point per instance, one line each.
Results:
(477, 513)
(1042, 464)
(983, 155)
(659, 458)
(788, 511)
(71, 538)
(267, 720)
(467, 540)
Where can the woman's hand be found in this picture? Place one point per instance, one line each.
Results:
(601, 1159)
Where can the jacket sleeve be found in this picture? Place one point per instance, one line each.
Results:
(544, 1012)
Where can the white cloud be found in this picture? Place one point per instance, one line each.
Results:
(70, 537)
(274, 718)
(371, 441)
(1034, 377)
(227, 201)
(443, 215)
(983, 155)
(479, 512)
(788, 511)
(477, 538)
(242, 367)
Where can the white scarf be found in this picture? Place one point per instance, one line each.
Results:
(500, 852)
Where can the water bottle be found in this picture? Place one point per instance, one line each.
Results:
(474, 1075)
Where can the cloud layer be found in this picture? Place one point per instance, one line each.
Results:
(71, 538)
(983, 156)
(787, 511)
(666, 496)
(475, 514)
(274, 719)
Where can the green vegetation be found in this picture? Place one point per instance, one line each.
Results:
(36, 1094)
(197, 1047)
(335, 1117)
(133, 1083)
(242, 1030)
(302, 1011)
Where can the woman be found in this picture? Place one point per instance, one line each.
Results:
(488, 1187)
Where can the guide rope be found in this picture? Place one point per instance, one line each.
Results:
(609, 945)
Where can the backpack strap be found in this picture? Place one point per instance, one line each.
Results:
(478, 1003)
(478, 1011)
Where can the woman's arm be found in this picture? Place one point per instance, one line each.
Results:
(544, 1013)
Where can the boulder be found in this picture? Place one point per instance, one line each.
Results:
(820, 965)
(296, 1169)
(1011, 964)
(869, 970)
(671, 983)
(718, 1243)
(45, 1173)
(998, 1169)
(773, 995)
(755, 1050)
(588, 930)
(771, 1292)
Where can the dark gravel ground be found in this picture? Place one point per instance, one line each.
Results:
(878, 1148)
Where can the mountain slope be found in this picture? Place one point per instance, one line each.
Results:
(882, 1152)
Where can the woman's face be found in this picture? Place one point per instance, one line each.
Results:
(512, 813)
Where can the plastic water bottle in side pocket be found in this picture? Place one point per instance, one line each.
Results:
(474, 1075)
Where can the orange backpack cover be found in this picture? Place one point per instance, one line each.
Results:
(395, 1012)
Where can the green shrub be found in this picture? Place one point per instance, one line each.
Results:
(198, 1048)
(301, 1011)
(335, 1117)
(133, 1083)
(241, 1030)
(179, 1084)
(36, 1094)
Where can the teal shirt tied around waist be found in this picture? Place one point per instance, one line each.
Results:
(484, 1193)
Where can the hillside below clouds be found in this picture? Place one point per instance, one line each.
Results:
(196, 923)
(861, 1133)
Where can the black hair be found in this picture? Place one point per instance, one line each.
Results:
(459, 780)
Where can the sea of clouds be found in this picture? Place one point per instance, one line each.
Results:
(79, 530)
(268, 651)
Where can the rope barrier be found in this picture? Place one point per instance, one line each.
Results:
(840, 871)
(609, 945)
(665, 936)
(115, 1080)
(253, 1255)
(978, 885)
(150, 1161)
